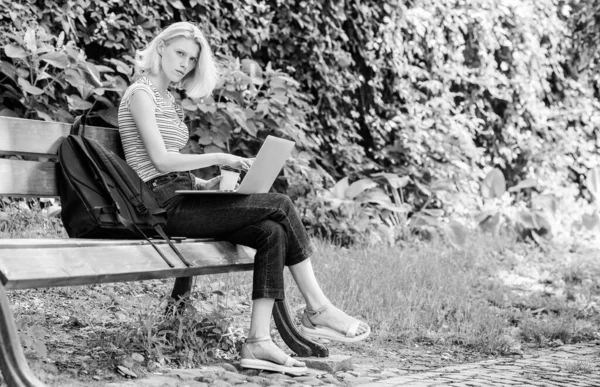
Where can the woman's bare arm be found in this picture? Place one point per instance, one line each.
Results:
(142, 110)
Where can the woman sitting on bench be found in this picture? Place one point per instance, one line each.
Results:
(152, 132)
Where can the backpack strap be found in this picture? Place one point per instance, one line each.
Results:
(95, 167)
(133, 227)
(164, 236)
(119, 175)
(78, 126)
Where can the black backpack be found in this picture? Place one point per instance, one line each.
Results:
(102, 197)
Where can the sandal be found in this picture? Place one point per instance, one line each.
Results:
(312, 331)
(266, 365)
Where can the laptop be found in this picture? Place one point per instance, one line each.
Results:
(260, 177)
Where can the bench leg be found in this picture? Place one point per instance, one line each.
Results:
(183, 286)
(301, 345)
(14, 367)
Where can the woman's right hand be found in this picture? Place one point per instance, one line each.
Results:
(238, 162)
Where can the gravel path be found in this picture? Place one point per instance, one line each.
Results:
(568, 365)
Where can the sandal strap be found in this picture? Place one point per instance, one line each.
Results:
(289, 362)
(313, 313)
(258, 339)
(246, 351)
(353, 329)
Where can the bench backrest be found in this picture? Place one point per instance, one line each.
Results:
(34, 174)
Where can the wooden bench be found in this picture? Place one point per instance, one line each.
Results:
(39, 263)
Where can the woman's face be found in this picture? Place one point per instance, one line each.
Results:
(178, 58)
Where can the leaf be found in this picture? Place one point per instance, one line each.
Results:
(9, 113)
(494, 184)
(110, 116)
(94, 74)
(544, 203)
(212, 149)
(527, 183)
(177, 4)
(379, 197)
(482, 216)
(528, 220)
(592, 181)
(457, 233)
(394, 180)
(253, 70)
(27, 87)
(270, 123)
(388, 233)
(333, 201)
(436, 213)
(280, 98)
(126, 371)
(8, 69)
(121, 66)
(339, 189)
(590, 220)
(74, 78)
(137, 357)
(359, 187)
(57, 59)
(13, 51)
(54, 211)
(188, 104)
(422, 188)
(490, 223)
(401, 209)
(30, 41)
(443, 185)
(376, 195)
(76, 103)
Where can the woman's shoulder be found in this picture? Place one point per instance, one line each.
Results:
(142, 84)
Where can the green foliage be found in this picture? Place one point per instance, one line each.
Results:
(499, 212)
(186, 339)
(584, 21)
(428, 90)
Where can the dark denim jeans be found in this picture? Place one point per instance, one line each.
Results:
(267, 222)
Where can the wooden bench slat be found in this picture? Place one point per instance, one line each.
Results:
(30, 137)
(58, 264)
(26, 243)
(27, 178)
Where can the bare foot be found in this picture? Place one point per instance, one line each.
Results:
(267, 350)
(337, 320)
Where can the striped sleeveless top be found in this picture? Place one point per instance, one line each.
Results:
(169, 117)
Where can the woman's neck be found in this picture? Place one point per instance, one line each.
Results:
(161, 83)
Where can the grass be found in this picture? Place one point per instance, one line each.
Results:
(428, 292)
(493, 297)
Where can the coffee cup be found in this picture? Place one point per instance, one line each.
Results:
(229, 178)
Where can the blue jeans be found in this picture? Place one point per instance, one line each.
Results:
(266, 222)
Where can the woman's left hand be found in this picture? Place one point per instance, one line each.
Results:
(202, 184)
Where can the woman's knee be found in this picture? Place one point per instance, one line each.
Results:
(283, 201)
(276, 230)
(270, 230)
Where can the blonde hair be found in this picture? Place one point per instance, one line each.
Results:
(199, 82)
